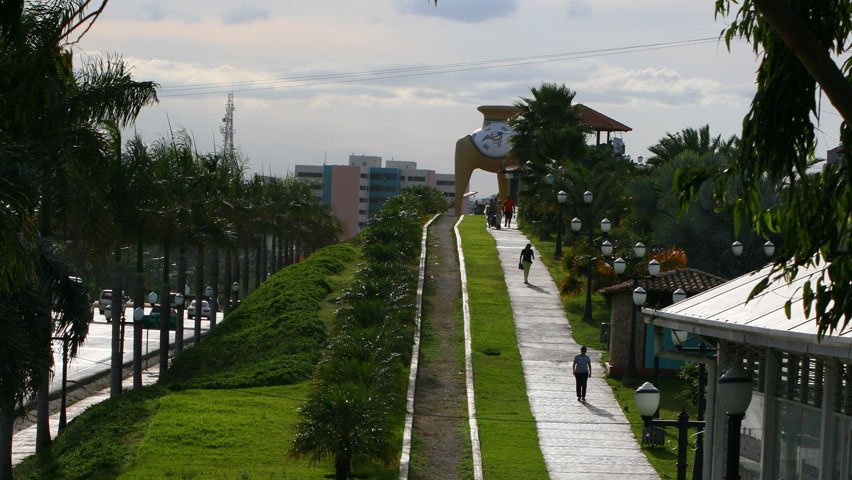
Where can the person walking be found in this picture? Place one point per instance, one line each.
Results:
(488, 208)
(582, 372)
(526, 260)
(508, 211)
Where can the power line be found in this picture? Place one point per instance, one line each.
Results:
(215, 88)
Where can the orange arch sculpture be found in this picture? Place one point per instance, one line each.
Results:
(486, 149)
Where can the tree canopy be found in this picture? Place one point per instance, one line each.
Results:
(795, 42)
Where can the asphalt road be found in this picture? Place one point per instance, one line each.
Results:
(94, 356)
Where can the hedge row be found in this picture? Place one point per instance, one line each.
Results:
(355, 411)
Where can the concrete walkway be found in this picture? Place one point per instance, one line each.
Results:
(591, 438)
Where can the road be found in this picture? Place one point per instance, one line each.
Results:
(94, 356)
(93, 360)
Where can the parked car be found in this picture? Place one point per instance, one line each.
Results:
(205, 309)
(104, 300)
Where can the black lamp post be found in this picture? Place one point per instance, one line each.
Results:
(235, 288)
(561, 198)
(63, 402)
(680, 337)
(639, 297)
(735, 390)
(138, 314)
(648, 403)
(576, 227)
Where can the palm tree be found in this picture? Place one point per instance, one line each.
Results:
(25, 346)
(548, 135)
(697, 141)
(706, 230)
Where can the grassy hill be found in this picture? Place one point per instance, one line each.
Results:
(227, 407)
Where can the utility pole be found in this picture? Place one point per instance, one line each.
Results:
(227, 129)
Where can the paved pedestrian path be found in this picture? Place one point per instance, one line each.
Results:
(591, 438)
(24, 441)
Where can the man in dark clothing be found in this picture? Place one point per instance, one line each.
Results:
(582, 372)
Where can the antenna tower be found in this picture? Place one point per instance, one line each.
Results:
(227, 129)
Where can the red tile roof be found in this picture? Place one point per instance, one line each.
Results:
(692, 281)
(599, 122)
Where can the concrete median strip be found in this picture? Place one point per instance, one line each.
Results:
(468, 362)
(405, 457)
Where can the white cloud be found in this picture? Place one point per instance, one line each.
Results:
(245, 14)
(578, 9)
(469, 11)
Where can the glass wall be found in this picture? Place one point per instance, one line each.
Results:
(798, 440)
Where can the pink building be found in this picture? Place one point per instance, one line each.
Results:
(353, 192)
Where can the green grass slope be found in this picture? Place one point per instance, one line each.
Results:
(196, 429)
(273, 337)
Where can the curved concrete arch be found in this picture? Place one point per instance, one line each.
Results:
(485, 149)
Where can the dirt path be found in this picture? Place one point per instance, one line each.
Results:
(440, 448)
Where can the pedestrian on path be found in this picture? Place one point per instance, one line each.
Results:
(582, 372)
(489, 208)
(508, 211)
(526, 260)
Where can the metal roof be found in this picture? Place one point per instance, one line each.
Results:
(722, 312)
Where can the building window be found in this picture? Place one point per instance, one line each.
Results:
(451, 194)
(378, 200)
(363, 175)
(384, 188)
(362, 212)
(309, 175)
(383, 176)
(362, 200)
(363, 187)
(446, 182)
(362, 224)
(416, 179)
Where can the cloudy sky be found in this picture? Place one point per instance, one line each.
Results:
(319, 80)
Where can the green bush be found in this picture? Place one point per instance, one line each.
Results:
(359, 402)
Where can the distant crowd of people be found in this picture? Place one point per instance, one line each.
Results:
(497, 215)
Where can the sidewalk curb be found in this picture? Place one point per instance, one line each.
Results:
(405, 456)
(468, 362)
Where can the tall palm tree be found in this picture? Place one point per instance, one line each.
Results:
(51, 114)
(705, 231)
(25, 346)
(698, 141)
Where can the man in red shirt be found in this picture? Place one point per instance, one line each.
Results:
(508, 211)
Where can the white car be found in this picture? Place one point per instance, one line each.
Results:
(205, 309)
(104, 300)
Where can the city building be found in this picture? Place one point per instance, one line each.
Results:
(357, 190)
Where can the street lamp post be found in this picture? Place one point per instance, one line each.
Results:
(639, 297)
(577, 227)
(680, 337)
(138, 314)
(63, 401)
(735, 390)
(647, 399)
(235, 288)
(561, 198)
